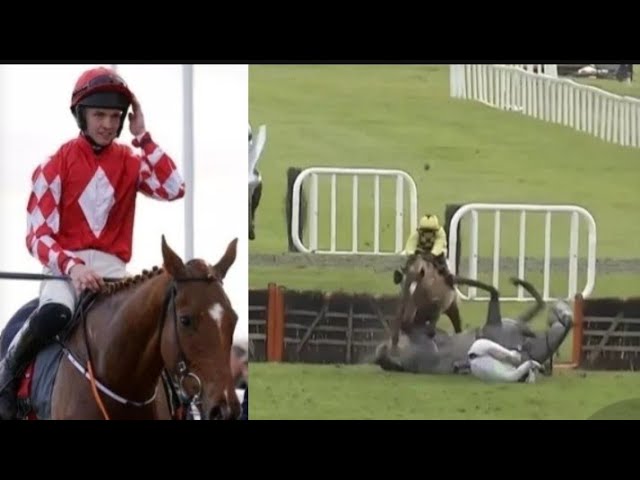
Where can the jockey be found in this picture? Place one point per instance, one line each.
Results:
(492, 362)
(80, 211)
(255, 181)
(429, 237)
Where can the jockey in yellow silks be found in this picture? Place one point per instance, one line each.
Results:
(429, 237)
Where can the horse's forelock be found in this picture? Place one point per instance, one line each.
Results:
(199, 266)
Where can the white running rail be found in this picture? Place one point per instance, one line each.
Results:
(549, 69)
(576, 213)
(588, 109)
(356, 174)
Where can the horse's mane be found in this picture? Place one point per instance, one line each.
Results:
(111, 288)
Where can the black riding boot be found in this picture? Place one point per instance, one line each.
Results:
(443, 268)
(255, 202)
(41, 327)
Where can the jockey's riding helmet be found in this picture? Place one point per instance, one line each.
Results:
(429, 222)
(100, 88)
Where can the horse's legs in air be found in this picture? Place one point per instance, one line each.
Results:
(494, 316)
(453, 312)
(536, 308)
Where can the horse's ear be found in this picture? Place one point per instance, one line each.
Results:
(223, 265)
(172, 262)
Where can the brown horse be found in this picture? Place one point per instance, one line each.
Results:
(425, 296)
(176, 319)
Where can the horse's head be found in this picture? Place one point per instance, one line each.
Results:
(421, 272)
(422, 292)
(199, 323)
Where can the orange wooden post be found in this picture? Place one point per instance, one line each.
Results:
(275, 324)
(278, 344)
(271, 321)
(578, 325)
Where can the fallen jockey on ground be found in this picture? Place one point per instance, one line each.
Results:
(492, 362)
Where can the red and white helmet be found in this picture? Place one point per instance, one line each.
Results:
(100, 88)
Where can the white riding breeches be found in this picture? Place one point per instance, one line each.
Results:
(492, 362)
(61, 291)
(491, 369)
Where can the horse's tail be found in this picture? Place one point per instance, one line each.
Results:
(537, 307)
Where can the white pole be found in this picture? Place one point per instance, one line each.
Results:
(187, 108)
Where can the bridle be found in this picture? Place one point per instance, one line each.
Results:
(187, 403)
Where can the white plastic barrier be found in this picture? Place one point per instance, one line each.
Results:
(576, 213)
(356, 174)
(588, 109)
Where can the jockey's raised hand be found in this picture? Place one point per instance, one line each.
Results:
(84, 277)
(136, 118)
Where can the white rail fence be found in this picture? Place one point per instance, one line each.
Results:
(577, 213)
(356, 174)
(551, 70)
(588, 109)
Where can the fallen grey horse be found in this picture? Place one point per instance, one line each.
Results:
(419, 351)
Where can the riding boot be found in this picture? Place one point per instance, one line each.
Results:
(30, 339)
(397, 276)
(255, 202)
(22, 349)
(448, 276)
(443, 269)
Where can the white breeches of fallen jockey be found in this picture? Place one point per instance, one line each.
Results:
(60, 291)
(492, 362)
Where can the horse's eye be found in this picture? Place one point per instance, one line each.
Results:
(186, 320)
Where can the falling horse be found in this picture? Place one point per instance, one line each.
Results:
(425, 295)
(420, 351)
(109, 363)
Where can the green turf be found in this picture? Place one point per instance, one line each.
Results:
(294, 391)
(402, 117)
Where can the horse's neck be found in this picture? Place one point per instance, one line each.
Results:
(126, 340)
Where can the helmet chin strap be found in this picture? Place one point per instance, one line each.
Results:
(97, 148)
